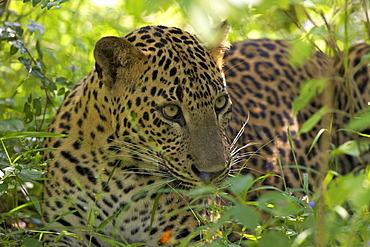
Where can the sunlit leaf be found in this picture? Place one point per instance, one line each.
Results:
(353, 148)
(360, 122)
(300, 52)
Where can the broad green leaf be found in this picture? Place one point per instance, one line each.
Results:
(239, 185)
(353, 148)
(300, 53)
(245, 215)
(278, 204)
(30, 174)
(360, 122)
(11, 125)
(31, 242)
(354, 187)
(273, 238)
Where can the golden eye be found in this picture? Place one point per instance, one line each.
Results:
(171, 111)
(221, 103)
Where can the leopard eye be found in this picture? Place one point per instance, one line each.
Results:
(221, 102)
(171, 111)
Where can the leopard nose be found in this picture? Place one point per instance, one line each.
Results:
(205, 177)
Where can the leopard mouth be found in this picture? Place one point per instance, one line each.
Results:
(204, 178)
(194, 178)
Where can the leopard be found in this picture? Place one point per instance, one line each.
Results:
(149, 120)
(162, 111)
(264, 81)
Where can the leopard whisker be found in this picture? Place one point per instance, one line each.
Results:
(239, 134)
(236, 151)
(237, 170)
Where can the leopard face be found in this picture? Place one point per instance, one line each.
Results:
(152, 114)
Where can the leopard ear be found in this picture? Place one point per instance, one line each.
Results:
(113, 55)
(220, 45)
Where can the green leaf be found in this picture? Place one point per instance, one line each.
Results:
(31, 242)
(28, 112)
(19, 31)
(35, 26)
(308, 90)
(317, 137)
(30, 174)
(11, 125)
(39, 50)
(3, 187)
(61, 80)
(360, 122)
(37, 106)
(36, 203)
(35, 2)
(240, 185)
(273, 238)
(351, 187)
(30, 134)
(61, 91)
(300, 52)
(245, 215)
(37, 72)
(313, 120)
(29, 99)
(278, 204)
(13, 50)
(353, 148)
(24, 61)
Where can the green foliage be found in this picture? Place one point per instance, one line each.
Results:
(46, 48)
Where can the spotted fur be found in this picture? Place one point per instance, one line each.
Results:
(263, 83)
(151, 115)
